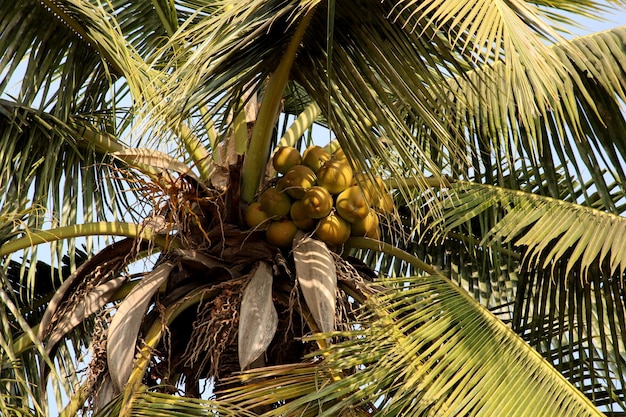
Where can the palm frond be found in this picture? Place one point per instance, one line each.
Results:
(582, 135)
(405, 95)
(52, 66)
(567, 14)
(64, 100)
(225, 51)
(19, 371)
(50, 167)
(411, 89)
(157, 404)
(578, 326)
(551, 229)
(504, 119)
(568, 292)
(425, 348)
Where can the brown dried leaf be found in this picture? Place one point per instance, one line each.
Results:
(126, 323)
(317, 276)
(91, 303)
(105, 393)
(119, 249)
(258, 319)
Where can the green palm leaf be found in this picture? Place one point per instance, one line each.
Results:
(582, 133)
(549, 228)
(577, 326)
(568, 292)
(425, 348)
(400, 86)
(155, 404)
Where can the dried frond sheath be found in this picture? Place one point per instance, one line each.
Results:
(258, 318)
(126, 323)
(317, 276)
(93, 301)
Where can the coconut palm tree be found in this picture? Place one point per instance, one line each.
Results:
(136, 137)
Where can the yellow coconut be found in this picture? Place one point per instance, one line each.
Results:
(375, 234)
(280, 233)
(280, 183)
(373, 187)
(335, 176)
(285, 158)
(340, 155)
(254, 215)
(300, 217)
(333, 230)
(368, 226)
(384, 204)
(314, 157)
(275, 202)
(297, 180)
(351, 204)
(317, 202)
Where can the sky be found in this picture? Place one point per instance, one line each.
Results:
(614, 19)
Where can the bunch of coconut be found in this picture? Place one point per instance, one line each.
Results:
(318, 193)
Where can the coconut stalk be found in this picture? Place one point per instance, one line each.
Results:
(259, 148)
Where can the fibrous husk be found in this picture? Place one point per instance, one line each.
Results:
(126, 322)
(317, 277)
(258, 318)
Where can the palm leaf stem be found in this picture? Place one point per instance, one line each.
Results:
(414, 182)
(468, 239)
(102, 142)
(371, 244)
(79, 230)
(240, 129)
(261, 137)
(77, 401)
(170, 25)
(303, 122)
(197, 151)
(24, 341)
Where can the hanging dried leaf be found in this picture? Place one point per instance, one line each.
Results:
(126, 323)
(118, 250)
(91, 303)
(105, 393)
(258, 319)
(196, 259)
(317, 276)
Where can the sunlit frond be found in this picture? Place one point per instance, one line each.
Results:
(58, 165)
(551, 229)
(425, 348)
(581, 136)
